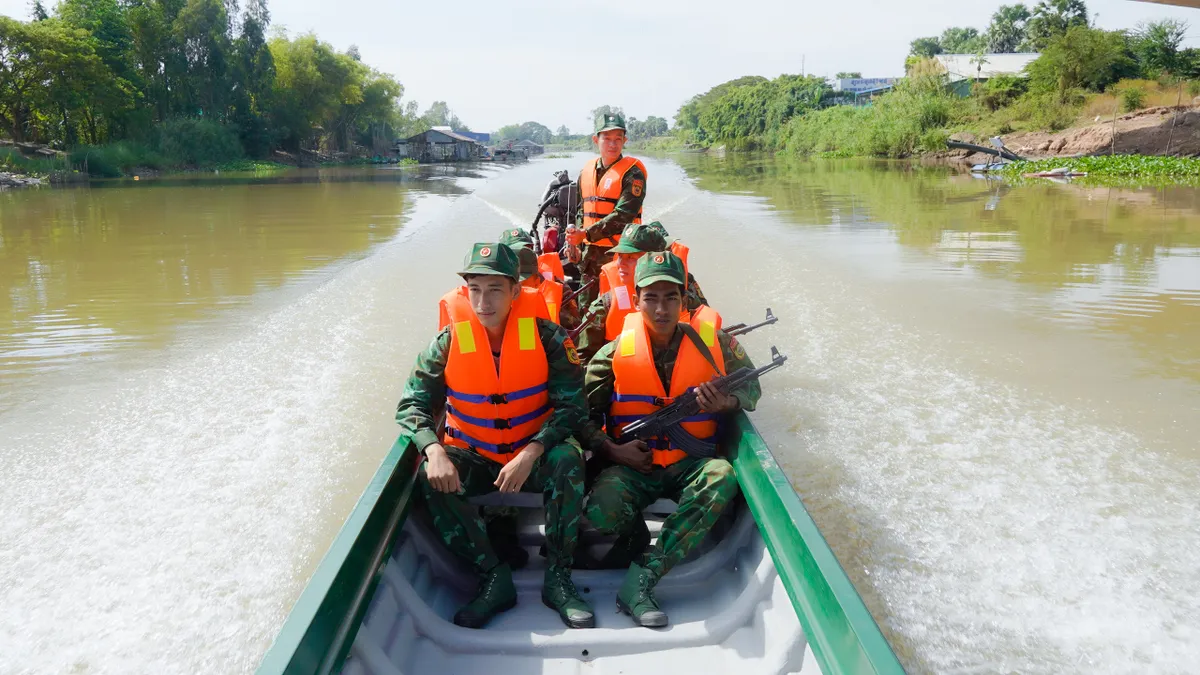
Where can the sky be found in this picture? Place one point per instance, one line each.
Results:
(511, 61)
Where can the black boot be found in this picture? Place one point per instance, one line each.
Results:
(496, 594)
(627, 548)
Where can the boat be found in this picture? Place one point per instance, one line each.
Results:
(764, 594)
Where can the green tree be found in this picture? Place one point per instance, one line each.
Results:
(254, 78)
(1050, 20)
(925, 48)
(1157, 45)
(312, 82)
(563, 131)
(440, 115)
(47, 70)
(203, 29)
(599, 113)
(1082, 57)
(38, 10)
(1007, 30)
(848, 76)
(957, 40)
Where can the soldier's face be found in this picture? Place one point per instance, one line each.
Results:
(660, 304)
(626, 264)
(611, 143)
(492, 298)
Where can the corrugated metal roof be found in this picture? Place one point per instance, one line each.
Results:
(960, 66)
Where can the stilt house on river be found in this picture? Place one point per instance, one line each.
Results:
(440, 145)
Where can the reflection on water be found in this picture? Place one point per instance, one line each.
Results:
(1124, 261)
(87, 271)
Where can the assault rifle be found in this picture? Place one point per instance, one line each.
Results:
(665, 422)
(575, 293)
(583, 324)
(741, 328)
(733, 331)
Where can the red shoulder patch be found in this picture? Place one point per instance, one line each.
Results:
(639, 186)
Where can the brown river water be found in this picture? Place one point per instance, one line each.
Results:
(991, 406)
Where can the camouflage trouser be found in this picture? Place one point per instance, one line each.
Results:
(701, 487)
(557, 474)
(594, 257)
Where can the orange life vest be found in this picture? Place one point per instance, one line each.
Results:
(460, 295)
(550, 267)
(495, 413)
(552, 293)
(620, 298)
(638, 391)
(680, 249)
(600, 200)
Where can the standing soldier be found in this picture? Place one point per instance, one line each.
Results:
(657, 358)
(611, 190)
(508, 381)
(606, 315)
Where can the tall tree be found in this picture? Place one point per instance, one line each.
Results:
(563, 131)
(1157, 45)
(960, 40)
(1007, 30)
(1051, 19)
(925, 48)
(203, 28)
(1081, 57)
(253, 78)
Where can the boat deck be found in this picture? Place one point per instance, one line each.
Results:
(729, 613)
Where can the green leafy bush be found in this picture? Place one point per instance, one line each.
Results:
(195, 142)
(1133, 98)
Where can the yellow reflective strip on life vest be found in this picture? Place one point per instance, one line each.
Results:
(527, 332)
(553, 307)
(708, 332)
(465, 337)
(628, 344)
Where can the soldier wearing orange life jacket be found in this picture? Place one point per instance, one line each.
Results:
(656, 358)
(508, 380)
(611, 190)
(607, 313)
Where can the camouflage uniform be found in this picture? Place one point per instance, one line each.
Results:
(522, 244)
(592, 338)
(558, 473)
(629, 205)
(701, 487)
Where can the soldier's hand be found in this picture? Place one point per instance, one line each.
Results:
(634, 454)
(514, 474)
(575, 236)
(711, 399)
(442, 474)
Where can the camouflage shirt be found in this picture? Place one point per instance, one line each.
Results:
(629, 204)
(599, 382)
(424, 396)
(592, 338)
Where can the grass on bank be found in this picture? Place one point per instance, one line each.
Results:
(1118, 168)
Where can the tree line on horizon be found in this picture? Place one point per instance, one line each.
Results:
(193, 76)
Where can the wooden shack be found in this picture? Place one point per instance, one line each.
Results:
(439, 145)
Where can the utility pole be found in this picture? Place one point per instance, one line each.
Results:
(802, 65)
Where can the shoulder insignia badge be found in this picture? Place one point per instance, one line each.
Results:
(639, 186)
(572, 353)
(738, 351)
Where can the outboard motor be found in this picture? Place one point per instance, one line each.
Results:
(560, 202)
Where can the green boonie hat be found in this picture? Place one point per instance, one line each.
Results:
(491, 259)
(638, 238)
(610, 121)
(516, 236)
(659, 266)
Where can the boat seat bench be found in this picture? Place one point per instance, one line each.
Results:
(532, 500)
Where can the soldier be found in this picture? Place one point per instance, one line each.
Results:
(606, 315)
(508, 381)
(611, 191)
(656, 358)
(535, 274)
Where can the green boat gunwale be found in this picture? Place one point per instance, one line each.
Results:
(844, 638)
